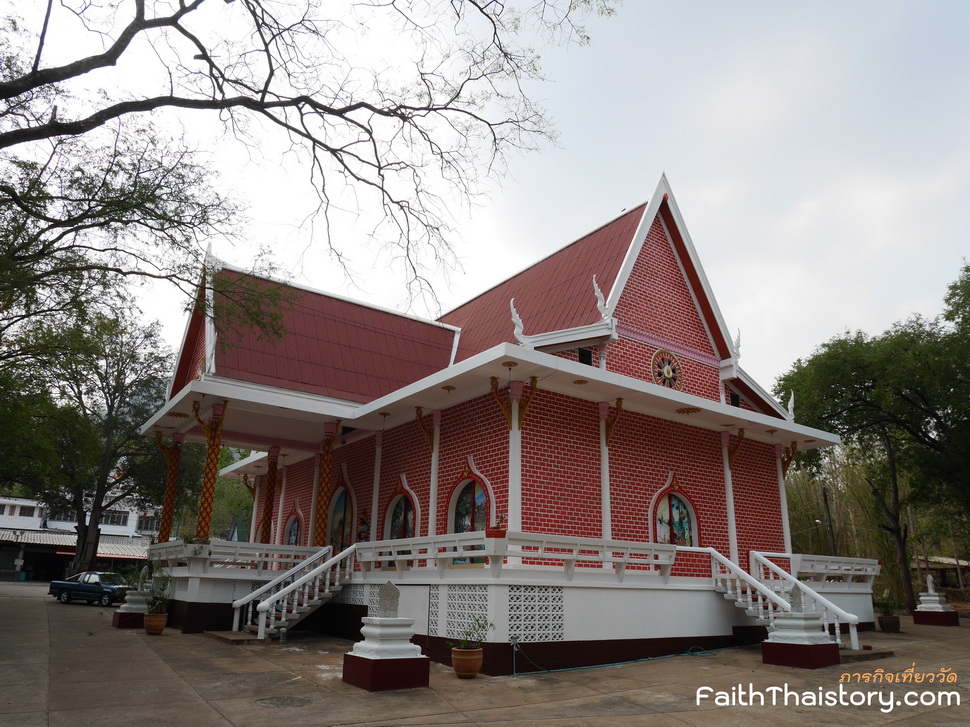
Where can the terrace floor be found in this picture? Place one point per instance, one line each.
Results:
(66, 665)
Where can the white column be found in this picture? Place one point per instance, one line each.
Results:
(515, 459)
(783, 499)
(376, 534)
(605, 502)
(313, 500)
(729, 497)
(433, 488)
(279, 509)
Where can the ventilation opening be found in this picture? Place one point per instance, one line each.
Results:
(735, 399)
(586, 356)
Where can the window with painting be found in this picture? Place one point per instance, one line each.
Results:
(341, 534)
(401, 523)
(675, 521)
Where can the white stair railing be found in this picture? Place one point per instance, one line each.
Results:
(278, 583)
(757, 599)
(305, 593)
(780, 580)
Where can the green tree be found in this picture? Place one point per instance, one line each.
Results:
(99, 379)
(903, 395)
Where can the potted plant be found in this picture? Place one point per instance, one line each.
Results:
(888, 620)
(157, 601)
(498, 529)
(467, 653)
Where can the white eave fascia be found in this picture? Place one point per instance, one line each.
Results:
(601, 331)
(729, 369)
(623, 384)
(633, 253)
(243, 463)
(746, 378)
(217, 388)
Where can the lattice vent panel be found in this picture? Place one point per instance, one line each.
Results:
(536, 613)
(357, 594)
(464, 604)
(433, 611)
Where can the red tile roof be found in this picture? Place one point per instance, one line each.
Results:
(334, 347)
(552, 295)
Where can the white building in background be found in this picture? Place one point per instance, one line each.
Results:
(23, 513)
(37, 543)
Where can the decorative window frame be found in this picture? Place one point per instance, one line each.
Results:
(673, 488)
(404, 491)
(471, 474)
(296, 516)
(352, 499)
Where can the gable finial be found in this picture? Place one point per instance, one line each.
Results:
(516, 321)
(791, 405)
(600, 300)
(737, 344)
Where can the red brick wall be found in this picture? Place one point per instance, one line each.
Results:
(296, 499)
(657, 301)
(561, 473)
(757, 502)
(644, 451)
(560, 467)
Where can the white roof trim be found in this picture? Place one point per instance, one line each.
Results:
(636, 245)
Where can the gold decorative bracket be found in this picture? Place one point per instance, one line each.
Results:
(788, 457)
(503, 405)
(734, 448)
(428, 431)
(611, 421)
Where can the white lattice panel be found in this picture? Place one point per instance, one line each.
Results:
(536, 613)
(464, 604)
(358, 594)
(433, 611)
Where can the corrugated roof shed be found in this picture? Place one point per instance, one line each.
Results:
(109, 546)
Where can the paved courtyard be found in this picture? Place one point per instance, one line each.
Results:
(65, 665)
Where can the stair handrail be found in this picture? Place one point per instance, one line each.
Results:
(819, 600)
(286, 575)
(739, 572)
(754, 585)
(324, 568)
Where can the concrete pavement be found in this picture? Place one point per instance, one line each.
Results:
(66, 665)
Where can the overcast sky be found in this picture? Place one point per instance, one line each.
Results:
(818, 151)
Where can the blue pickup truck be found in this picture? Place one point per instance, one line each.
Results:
(90, 586)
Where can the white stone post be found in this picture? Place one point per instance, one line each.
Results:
(729, 497)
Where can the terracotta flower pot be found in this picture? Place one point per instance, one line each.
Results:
(889, 624)
(467, 662)
(155, 623)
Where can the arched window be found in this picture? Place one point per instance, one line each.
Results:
(293, 531)
(401, 523)
(341, 521)
(675, 521)
(470, 508)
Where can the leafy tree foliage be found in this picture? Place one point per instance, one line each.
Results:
(904, 394)
(78, 409)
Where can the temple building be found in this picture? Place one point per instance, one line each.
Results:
(575, 455)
